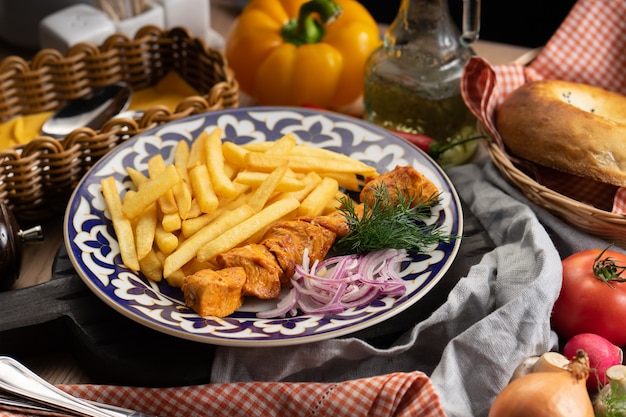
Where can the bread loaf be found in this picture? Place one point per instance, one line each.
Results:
(571, 127)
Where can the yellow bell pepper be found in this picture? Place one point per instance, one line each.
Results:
(302, 52)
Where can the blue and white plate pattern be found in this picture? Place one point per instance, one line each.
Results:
(94, 251)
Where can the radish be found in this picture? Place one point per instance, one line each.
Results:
(602, 355)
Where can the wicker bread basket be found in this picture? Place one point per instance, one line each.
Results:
(593, 220)
(36, 179)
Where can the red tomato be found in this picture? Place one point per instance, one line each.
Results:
(589, 303)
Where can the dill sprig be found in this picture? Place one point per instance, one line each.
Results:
(388, 223)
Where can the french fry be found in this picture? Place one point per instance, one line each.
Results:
(347, 180)
(230, 170)
(257, 146)
(242, 231)
(182, 190)
(314, 203)
(335, 203)
(136, 177)
(214, 158)
(129, 195)
(282, 146)
(234, 154)
(156, 165)
(301, 150)
(192, 225)
(311, 151)
(145, 228)
(151, 266)
(310, 181)
(255, 179)
(181, 160)
(187, 250)
(121, 224)
(171, 222)
(194, 210)
(167, 242)
(266, 163)
(267, 188)
(240, 189)
(196, 154)
(149, 192)
(203, 189)
(183, 197)
(176, 278)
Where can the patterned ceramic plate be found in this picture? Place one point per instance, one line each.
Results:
(94, 251)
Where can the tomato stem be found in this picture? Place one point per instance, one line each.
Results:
(306, 28)
(606, 270)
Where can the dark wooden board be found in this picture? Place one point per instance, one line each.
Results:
(63, 314)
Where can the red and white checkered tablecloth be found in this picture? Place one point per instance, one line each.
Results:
(588, 48)
(396, 394)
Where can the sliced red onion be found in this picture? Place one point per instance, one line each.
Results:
(341, 282)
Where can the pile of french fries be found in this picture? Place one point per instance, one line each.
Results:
(217, 195)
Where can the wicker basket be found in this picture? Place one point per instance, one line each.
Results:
(36, 179)
(607, 225)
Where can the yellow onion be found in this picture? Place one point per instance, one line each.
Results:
(554, 394)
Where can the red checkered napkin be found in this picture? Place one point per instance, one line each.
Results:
(589, 47)
(397, 394)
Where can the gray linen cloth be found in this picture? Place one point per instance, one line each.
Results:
(493, 318)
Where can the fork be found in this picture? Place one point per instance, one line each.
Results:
(20, 381)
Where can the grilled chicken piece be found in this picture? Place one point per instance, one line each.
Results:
(335, 222)
(287, 240)
(214, 293)
(261, 267)
(401, 179)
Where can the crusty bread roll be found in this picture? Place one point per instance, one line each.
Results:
(574, 128)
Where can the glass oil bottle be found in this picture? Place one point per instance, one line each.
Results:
(412, 81)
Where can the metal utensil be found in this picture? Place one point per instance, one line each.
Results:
(17, 379)
(12, 402)
(91, 111)
(21, 405)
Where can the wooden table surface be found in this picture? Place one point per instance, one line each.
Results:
(59, 367)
